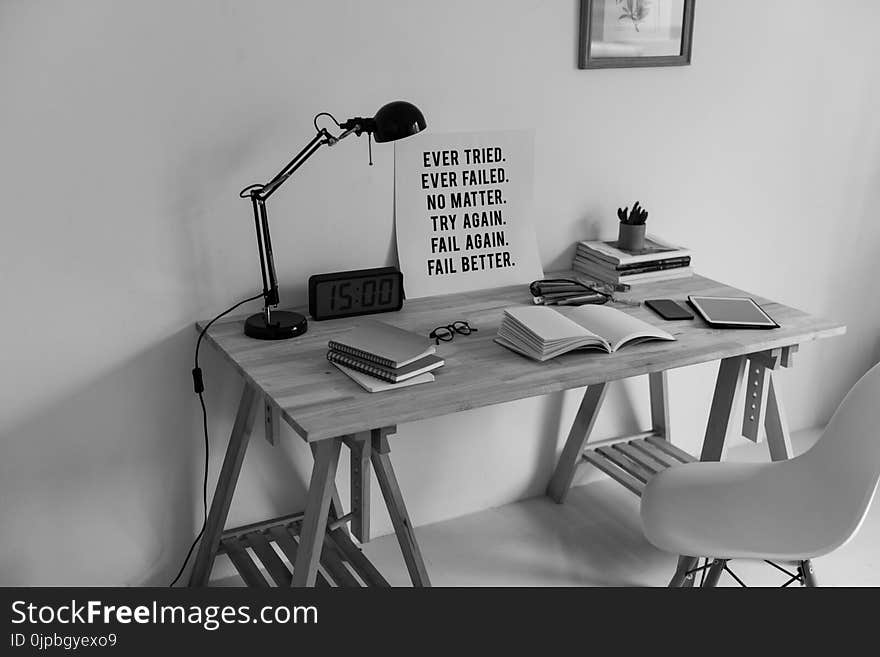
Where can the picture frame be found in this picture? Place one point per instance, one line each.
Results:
(635, 33)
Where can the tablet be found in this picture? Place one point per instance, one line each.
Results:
(732, 312)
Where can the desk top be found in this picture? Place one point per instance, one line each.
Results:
(320, 402)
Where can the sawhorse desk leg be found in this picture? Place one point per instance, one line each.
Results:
(578, 436)
(322, 492)
(380, 456)
(238, 443)
(304, 537)
(659, 390)
(751, 378)
(728, 388)
(314, 525)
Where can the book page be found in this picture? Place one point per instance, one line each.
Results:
(616, 326)
(546, 324)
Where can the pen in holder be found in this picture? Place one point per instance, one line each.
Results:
(631, 236)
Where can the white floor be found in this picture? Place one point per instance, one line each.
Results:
(594, 539)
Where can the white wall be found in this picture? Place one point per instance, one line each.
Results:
(127, 129)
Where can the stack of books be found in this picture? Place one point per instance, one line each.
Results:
(657, 261)
(379, 357)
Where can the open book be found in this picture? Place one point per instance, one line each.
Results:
(542, 333)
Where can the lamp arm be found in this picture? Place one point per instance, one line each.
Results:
(265, 191)
(321, 138)
(260, 193)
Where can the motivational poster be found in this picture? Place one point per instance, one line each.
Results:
(463, 211)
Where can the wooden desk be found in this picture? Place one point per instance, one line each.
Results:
(292, 380)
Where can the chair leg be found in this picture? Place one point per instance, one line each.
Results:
(714, 573)
(808, 575)
(683, 578)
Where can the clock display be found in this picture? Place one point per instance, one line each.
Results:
(361, 292)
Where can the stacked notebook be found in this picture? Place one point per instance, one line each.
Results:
(657, 261)
(381, 357)
(543, 333)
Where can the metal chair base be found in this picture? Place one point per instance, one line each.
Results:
(710, 572)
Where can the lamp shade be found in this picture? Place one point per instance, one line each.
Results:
(397, 120)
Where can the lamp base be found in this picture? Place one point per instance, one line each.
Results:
(284, 325)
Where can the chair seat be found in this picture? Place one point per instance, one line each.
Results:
(792, 510)
(738, 510)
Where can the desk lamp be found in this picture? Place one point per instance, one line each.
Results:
(393, 121)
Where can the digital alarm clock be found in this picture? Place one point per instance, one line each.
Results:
(353, 293)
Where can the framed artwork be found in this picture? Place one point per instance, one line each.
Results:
(630, 33)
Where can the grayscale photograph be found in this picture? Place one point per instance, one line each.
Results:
(524, 296)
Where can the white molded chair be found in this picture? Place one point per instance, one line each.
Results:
(791, 510)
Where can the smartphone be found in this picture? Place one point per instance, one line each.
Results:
(669, 309)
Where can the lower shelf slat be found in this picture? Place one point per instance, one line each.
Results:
(285, 540)
(243, 563)
(271, 561)
(614, 472)
(633, 463)
(332, 563)
(639, 457)
(661, 457)
(356, 558)
(669, 448)
(630, 467)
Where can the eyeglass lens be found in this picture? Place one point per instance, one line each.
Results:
(442, 333)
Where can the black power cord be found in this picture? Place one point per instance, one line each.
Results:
(199, 388)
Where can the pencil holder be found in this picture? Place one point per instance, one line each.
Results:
(631, 237)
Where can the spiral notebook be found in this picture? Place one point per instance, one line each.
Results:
(382, 343)
(372, 384)
(392, 375)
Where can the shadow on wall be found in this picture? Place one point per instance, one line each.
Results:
(99, 502)
(114, 496)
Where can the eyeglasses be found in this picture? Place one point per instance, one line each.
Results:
(447, 333)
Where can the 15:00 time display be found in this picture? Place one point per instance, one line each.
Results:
(351, 293)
